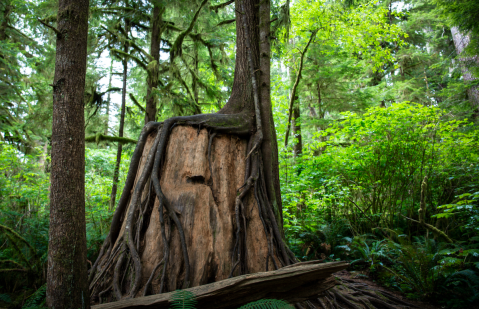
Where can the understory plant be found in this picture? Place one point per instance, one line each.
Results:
(183, 299)
(423, 269)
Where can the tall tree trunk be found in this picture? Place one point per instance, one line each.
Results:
(67, 285)
(269, 146)
(153, 66)
(108, 100)
(461, 41)
(116, 173)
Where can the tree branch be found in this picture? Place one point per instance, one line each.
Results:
(295, 86)
(50, 26)
(176, 48)
(135, 101)
(127, 55)
(226, 22)
(221, 5)
(100, 137)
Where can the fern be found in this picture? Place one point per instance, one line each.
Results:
(37, 299)
(267, 304)
(5, 298)
(183, 299)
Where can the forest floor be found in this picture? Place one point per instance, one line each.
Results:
(353, 276)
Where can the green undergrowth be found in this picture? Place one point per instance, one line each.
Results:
(24, 218)
(183, 299)
(352, 193)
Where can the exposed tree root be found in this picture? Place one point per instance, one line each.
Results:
(354, 295)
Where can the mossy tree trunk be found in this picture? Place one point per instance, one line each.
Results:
(67, 284)
(153, 66)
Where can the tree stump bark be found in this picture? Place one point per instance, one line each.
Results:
(204, 199)
(200, 182)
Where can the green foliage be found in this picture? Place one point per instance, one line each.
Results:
(24, 209)
(381, 158)
(267, 304)
(37, 299)
(183, 299)
(463, 14)
(372, 254)
(423, 269)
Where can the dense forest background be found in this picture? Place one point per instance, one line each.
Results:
(376, 107)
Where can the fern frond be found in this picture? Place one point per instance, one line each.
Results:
(183, 299)
(267, 304)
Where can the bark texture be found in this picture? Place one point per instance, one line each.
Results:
(153, 66)
(67, 285)
(461, 41)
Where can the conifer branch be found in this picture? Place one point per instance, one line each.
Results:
(176, 48)
(49, 26)
(226, 22)
(135, 101)
(221, 5)
(127, 55)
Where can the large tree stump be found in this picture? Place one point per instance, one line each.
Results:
(204, 199)
(200, 182)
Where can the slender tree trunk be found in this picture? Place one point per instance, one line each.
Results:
(195, 85)
(116, 173)
(293, 96)
(298, 143)
(461, 41)
(153, 66)
(67, 284)
(108, 101)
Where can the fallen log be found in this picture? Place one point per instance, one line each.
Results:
(292, 284)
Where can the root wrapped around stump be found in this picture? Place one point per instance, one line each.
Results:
(212, 222)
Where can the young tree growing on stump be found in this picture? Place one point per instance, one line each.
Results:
(186, 220)
(67, 285)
